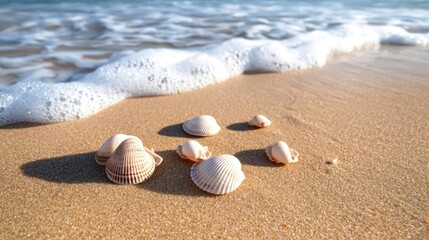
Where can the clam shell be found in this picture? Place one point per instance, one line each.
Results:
(281, 153)
(108, 147)
(203, 126)
(193, 150)
(260, 121)
(218, 175)
(131, 163)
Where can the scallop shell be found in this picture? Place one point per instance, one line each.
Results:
(193, 150)
(108, 147)
(203, 126)
(281, 153)
(218, 175)
(131, 163)
(260, 121)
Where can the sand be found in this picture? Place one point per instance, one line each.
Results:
(369, 110)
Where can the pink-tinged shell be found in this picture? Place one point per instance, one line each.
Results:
(131, 163)
(218, 175)
(260, 121)
(203, 126)
(108, 147)
(193, 150)
(281, 153)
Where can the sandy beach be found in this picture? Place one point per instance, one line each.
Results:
(369, 110)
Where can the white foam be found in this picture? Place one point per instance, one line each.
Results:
(63, 33)
(168, 71)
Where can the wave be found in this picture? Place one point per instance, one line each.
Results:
(168, 71)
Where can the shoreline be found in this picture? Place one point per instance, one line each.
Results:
(368, 110)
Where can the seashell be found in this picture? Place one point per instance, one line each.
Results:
(260, 121)
(131, 163)
(218, 175)
(193, 150)
(203, 126)
(108, 147)
(281, 153)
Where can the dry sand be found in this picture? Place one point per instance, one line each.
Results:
(370, 111)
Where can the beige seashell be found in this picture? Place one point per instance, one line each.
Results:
(193, 150)
(281, 153)
(108, 147)
(218, 175)
(203, 126)
(260, 121)
(131, 163)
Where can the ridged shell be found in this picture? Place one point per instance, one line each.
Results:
(193, 150)
(260, 121)
(108, 147)
(203, 126)
(218, 175)
(281, 153)
(131, 163)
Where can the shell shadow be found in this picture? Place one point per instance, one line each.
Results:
(243, 126)
(76, 168)
(175, 130)
(173, 177)
(255, 157)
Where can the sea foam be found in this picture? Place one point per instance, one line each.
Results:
(168, 71)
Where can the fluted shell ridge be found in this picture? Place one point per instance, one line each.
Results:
(203, 126)
(218, 175)
(130, 163)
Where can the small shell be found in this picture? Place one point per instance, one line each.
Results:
(131, 163)
(218, 175)
(203, 126)
(193, 150)
(108, 147)
(281, 153)
(260, 121)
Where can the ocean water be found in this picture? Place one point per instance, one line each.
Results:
(65, 60)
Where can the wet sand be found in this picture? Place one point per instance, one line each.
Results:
(368, 110)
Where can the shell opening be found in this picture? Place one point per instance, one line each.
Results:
(179, 151)
(101, 160)
(295, 155)
(270, 155)
(158, 159)
(205, 154)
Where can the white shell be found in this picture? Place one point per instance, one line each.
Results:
(193, 150)
(281, 153)
(108, 147)
(203, 126)
(218, 175)
(131, 163)
(260, 121)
